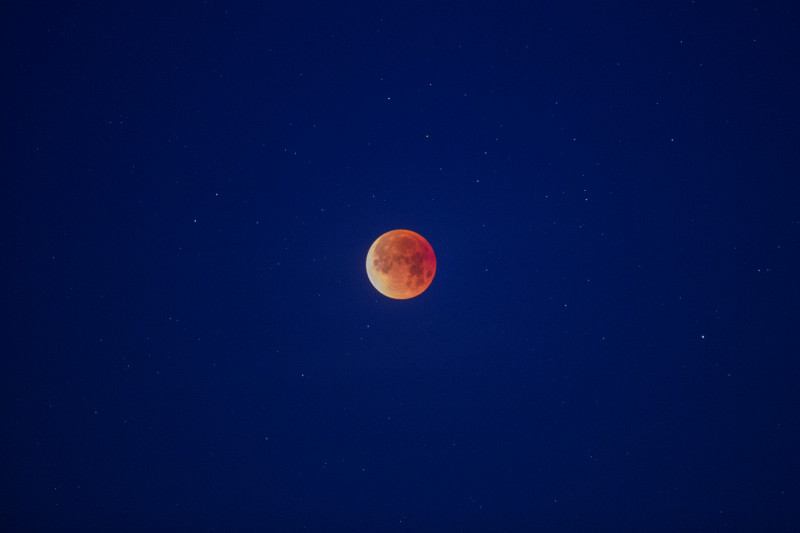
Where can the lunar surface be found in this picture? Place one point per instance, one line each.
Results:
(401, 264)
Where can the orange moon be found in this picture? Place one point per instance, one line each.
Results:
(401, 264)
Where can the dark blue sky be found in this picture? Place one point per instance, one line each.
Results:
(189, 338)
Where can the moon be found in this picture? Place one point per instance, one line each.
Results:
(401, 264)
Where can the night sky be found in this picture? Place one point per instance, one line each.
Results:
(189, 338)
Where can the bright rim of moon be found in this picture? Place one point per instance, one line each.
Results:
(401, 264)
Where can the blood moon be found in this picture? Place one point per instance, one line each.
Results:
(401, 264)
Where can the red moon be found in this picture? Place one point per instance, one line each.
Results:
(401, 264)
